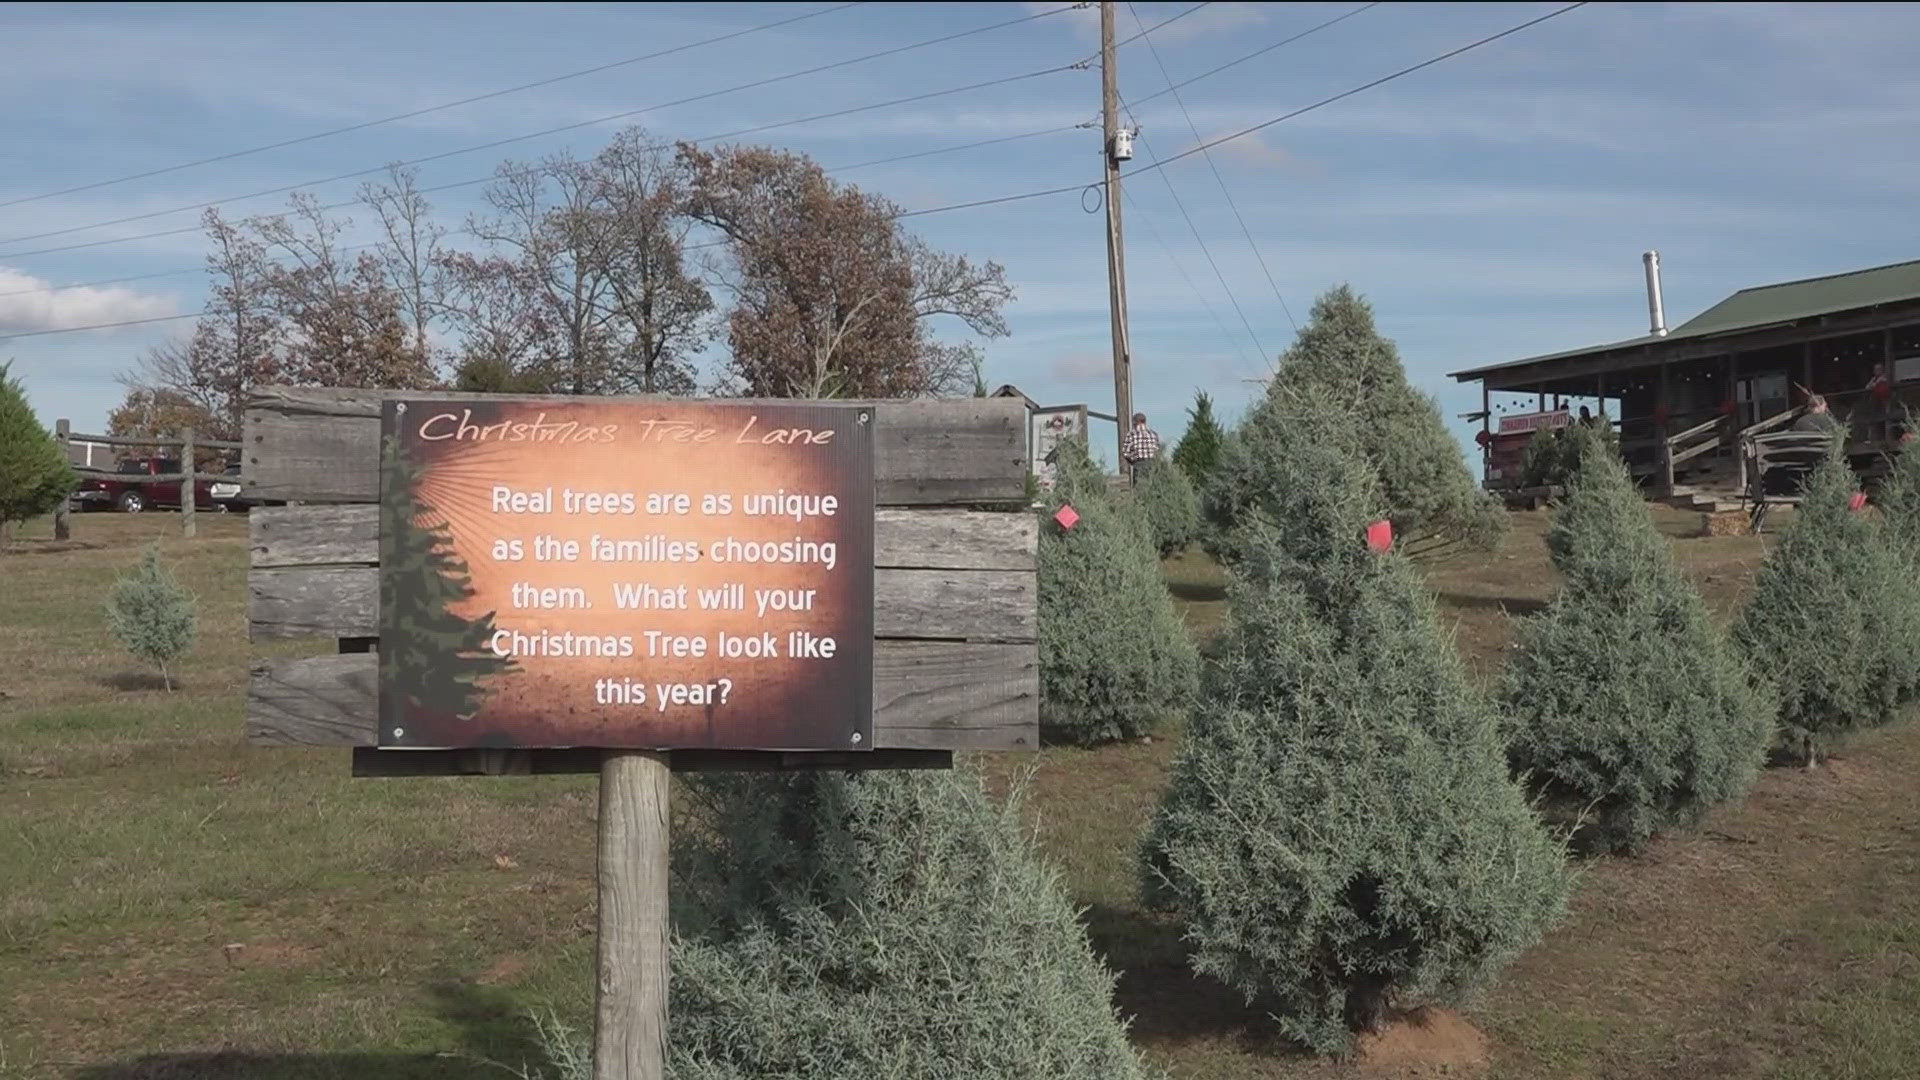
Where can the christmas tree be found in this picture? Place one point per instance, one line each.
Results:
(1199, 450)
(152, 615)
(1834, 618)
(432, 660)
(1416, 465)
(882, 924)
(1341, 833)
(1899, 500)
(1166, 498)
(1631, 710)
(34, 474)
(1115, 659)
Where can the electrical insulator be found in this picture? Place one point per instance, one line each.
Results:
(1123, 145)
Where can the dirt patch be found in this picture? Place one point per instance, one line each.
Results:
(1424, 1042)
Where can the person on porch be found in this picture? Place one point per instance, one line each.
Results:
(1817, 418)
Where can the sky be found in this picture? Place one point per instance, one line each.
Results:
(1492, 206)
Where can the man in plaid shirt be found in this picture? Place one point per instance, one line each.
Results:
(1140, 448)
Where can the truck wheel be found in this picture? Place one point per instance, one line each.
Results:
(131, 502)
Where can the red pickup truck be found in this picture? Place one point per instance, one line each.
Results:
(129, 490)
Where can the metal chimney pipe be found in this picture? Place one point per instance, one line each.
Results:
(1656, 311)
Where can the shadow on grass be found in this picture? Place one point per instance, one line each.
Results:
(496, 1038)
(1198, 592)
(1164, 1001)
(1510, 605)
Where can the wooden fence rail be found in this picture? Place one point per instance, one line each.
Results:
(188, 445)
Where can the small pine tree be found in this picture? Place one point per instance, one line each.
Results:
(1834, 617)
(1416, 464)
(1899, 500)
(34, 475)
(1340, 832)
(152, 615)
(1198, 453)
(1553, 456)
(1115, 659)
(1631, 711)
(881, 924)
(1166, 497)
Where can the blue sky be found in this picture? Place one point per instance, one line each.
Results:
(1491, 207)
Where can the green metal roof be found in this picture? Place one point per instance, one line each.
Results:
(1765, 305)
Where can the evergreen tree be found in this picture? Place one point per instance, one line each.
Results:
(1198, 453)
(1834, 617)
(1428, 492)
(1340, 832)
(1553, 456)
(1115, 659)
(1631, 711)
(432, 661)
(1166, 498)
(152, 615)
(34, 474)
(882, 924)
(1899, 500)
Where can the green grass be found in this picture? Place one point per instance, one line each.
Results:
(401, 929)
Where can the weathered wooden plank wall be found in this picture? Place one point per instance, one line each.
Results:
(955, 655)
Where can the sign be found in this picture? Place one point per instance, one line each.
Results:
(626, 575)
(1046, 429)
(1534, 421)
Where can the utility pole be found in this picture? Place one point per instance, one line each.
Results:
(1117, 148)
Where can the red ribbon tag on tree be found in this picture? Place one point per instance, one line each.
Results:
(1067, 516)
(1857, 502)
(1380, 535)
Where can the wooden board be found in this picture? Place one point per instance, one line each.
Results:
(956, 605)
(930, 539)
(926, 695)
(403, 763)
(323, 446)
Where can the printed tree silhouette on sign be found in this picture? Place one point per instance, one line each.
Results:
(432, 660)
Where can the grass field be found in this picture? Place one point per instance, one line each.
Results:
(174, 904)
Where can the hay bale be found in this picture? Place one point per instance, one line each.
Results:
(1726, 523)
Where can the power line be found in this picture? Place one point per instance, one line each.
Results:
(757, 83)
(491, 177)
(1217, 178)
(1210, 72)
(1154, 230)
(1002, 199)
(48, 289)
(1262, 126)
(1201, 241)
(485, 179)
(365, 124)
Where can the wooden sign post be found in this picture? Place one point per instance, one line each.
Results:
(633, 586)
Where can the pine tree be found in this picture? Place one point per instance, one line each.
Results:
(1340, 832)
(1834, 618)
(432, 661)
(34, 474)
(1428, 492)
(1631, 711)
(1115, 659)
(882, 924)
(1166, 497)
(1198, 453)
(1553, 456)
(152, 615)
(1899, 501)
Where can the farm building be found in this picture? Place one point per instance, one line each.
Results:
(1686, 400)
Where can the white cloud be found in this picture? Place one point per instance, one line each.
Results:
(1081, 368)
(50, 308)
(1255, 150)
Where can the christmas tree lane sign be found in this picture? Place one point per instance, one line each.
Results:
(626, 575)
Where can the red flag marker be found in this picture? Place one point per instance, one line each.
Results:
(1857, 502)
(1067, 516)
(1380, 535)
